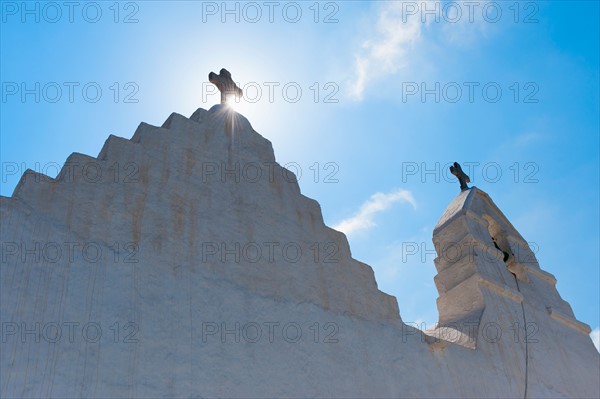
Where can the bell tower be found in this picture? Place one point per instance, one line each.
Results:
(487, 271)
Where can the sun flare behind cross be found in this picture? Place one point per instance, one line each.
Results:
(230, 92)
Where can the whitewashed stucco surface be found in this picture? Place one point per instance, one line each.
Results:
(125, 255)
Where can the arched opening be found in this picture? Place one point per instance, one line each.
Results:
(499, 239)
(506, 255)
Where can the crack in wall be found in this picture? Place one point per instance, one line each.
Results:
(526, 345)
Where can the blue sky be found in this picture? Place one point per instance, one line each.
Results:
(390, 94)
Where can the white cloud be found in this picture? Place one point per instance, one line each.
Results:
(464, 22)
(386, 52)
(412, 38)
(595, 334)
(378, 202)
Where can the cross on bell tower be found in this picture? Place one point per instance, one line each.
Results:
(463, 179)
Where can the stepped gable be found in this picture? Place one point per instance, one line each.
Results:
(208, 192)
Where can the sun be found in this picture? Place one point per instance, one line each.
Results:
(238, 104)
(233, 101)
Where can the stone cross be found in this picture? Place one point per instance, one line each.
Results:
(225, 84)
(463, 179)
